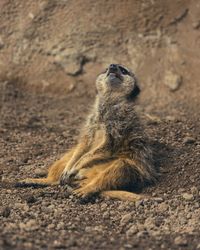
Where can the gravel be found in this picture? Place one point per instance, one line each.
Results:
(51, 218)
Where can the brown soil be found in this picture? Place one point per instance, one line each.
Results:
(50, 54)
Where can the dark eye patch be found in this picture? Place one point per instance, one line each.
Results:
(124, 71)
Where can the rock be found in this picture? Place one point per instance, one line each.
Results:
(196, 25)
(21, 206)
(22, 225)
(126, 218)
(155, 233)
(188, 197)
(58, 245)
(98, 228)
(60, 225)
(11, 226)
(158, 221)
(25, 160)
(149, 223)
(88, 229)
(170, 118)
(30, 225)
(190, 229)
(163, 246)
(1, 43)
(195, 190)
(48, 209)
(188, 140)
(58, 212)
(163, 171)
(131, 231)
(127, 246)
(158, 199)
(181, 190)
(28, 245)
(163, 207)
(39, 172)
(140, 227)
(153, 119)
(172, 81)
(30, 15)
(71, 87)
(65, 134)
(142, 234)
(122, 207)
(51, 226)
(139, 203)
(189, 216)
(6, 212)
(192, 178)
(104, 206)
(180, 241)
(30, 199)
(106, 215)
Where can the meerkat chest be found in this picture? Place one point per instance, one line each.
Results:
(100, 137)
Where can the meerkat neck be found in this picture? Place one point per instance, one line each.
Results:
(113, 109)
(109, 101)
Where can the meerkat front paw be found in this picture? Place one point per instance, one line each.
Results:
(65, 178)
(73, 175)
(85, 191)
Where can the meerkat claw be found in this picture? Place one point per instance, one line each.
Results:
(68, 177)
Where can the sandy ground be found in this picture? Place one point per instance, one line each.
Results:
(37, 129)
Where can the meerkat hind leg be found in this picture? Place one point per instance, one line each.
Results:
(89, 190)
(108, 180)
(122, 195)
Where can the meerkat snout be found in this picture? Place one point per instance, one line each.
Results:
(112, 68)
(114, 75)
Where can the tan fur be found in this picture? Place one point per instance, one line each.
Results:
(112, 154)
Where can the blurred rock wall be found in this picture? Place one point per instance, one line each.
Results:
(56, 45)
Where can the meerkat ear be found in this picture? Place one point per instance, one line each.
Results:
(134, 93)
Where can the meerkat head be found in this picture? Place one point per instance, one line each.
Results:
(117, 81)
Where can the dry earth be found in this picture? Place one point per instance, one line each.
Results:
(50, 54)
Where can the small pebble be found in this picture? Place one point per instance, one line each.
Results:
(188, 140)
(180, 241)
(126, 218)
(187, 196)
(6, 212)
(173, 81)
(131, 231)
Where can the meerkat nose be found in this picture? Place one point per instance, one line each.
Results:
(113, 68)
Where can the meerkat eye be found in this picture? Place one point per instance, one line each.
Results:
(124, 71)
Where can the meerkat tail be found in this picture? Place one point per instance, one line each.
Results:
(122, 195)
(37, 182)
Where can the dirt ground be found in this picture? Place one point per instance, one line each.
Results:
(49, 59)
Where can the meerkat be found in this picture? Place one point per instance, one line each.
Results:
(112, 156)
